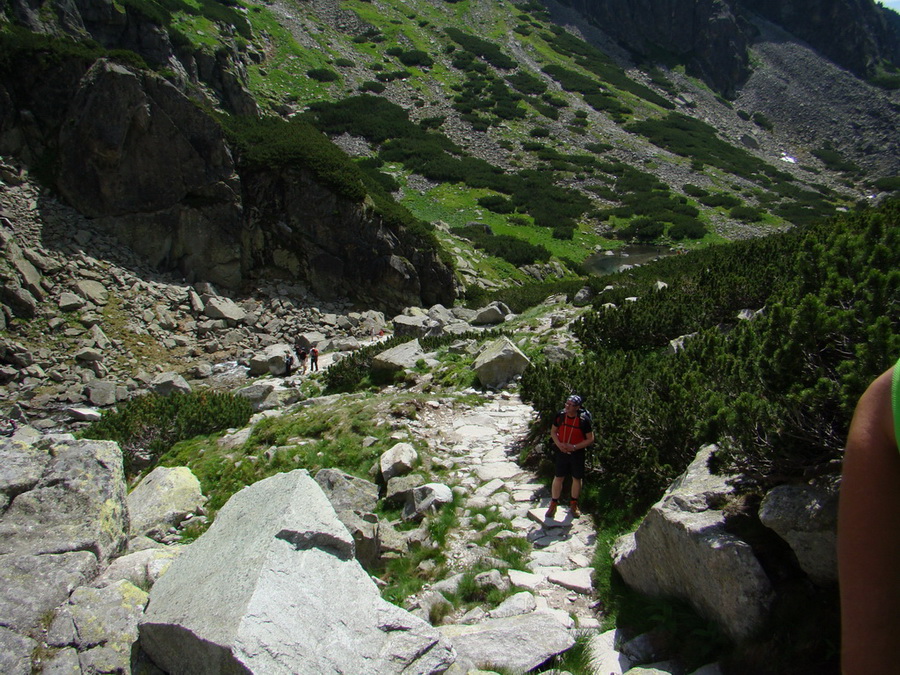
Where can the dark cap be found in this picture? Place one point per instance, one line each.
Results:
(574, 398)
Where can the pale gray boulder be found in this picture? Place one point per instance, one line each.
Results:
(401, 357)
(583, 296)
(271, 361)
(416, 326)
(92, 291)
(291, 599)
(78, 504)
(426, 499)
(69, 302)
(169, 383)
(33, 585)
(397, 461)
(347, 492)
(683, 533)
(21, 467)
(518, 643)
(164, 498)
(101, 623)
(354, 499)
(141, 568)
(102, 393)
(224, 308)
(805, 516)
(492, 314)
(604, 656)
(522, 602)
(15, 652)
(499, 363)
(261, 395)
(399, 487)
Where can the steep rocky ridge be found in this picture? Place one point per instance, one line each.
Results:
(713, 36)
(707, 34)
(133, 153)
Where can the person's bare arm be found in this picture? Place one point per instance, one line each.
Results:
(869, 537)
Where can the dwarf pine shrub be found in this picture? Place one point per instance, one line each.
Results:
(150, 425)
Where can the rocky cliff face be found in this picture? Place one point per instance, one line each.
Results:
(296, 228)
(131, 151)
(855, 34)
(707, 34)
(712, 36)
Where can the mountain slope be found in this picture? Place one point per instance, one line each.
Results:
(536, 123)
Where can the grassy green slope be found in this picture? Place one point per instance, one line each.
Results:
(505, 85)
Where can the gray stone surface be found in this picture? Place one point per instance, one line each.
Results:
(164, 498)
(518, 643)
(684, 533)
(291, 599)
(499, 363)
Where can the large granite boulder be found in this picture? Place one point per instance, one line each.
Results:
(163, 499)
(77, 504)
(401, 357)
(291, 599)
(271, 360)
(685, 532)
(65, 517)
(805, 516)
(499, 363)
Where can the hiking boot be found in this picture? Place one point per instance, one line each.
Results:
(551, 510)
(573, 509)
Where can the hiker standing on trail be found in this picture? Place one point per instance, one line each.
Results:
(313, 359)
(301, 356)
(571, 432)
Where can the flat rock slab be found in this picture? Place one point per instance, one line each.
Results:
(518, 643)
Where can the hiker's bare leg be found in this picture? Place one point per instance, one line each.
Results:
(556, 487)
(576, 488)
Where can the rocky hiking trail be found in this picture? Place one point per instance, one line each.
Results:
(480, 447)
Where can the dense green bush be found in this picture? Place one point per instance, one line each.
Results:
(496, 203)
(18, 42)
(527, 84)
(592, 59)
(834, 160)
(150, 425)
(323, 75)
(776, 392)
(513, 250)
(888, 184)
(694, 138)
(486, 50)
(273, 142)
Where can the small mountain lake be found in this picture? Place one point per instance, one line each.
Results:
(610, 262)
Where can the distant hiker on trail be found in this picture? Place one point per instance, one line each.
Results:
(301, 355)
(288, 363)
(571, 432)
(313, 359)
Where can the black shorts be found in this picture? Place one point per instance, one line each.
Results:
(571, 464)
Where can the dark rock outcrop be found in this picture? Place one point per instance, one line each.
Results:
(706, 34)
(712, 36)
(298, 228)
(855, 34)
